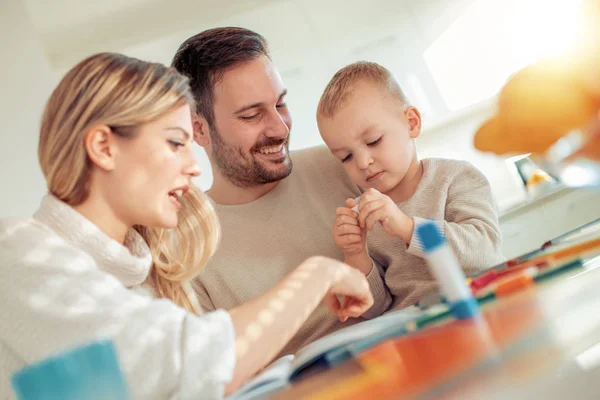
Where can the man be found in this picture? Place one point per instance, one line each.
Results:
(272, 218)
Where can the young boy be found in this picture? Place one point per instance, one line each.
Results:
(368, 124)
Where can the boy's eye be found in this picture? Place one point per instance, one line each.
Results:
(375, 142)
(347, 158)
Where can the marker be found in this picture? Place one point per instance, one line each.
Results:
(356, 200)
(492, 276)
(565, 236)
(447, 271)
(519, 281)
(484, 280)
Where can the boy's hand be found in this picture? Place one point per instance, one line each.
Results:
(347, 234)
(375, 206)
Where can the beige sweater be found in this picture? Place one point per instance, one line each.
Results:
(459, 198)
(265, 240)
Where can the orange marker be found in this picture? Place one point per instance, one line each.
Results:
(576, 251)
(513, 283)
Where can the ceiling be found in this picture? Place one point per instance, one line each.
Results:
(153, 29)
(72, 29)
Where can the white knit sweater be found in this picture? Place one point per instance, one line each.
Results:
(64, 284)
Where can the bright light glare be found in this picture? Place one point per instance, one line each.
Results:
(492, 39)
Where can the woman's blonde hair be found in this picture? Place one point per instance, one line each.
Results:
(123, 93)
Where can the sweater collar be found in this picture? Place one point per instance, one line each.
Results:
(130, 263)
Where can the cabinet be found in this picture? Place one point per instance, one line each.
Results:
(528, 226)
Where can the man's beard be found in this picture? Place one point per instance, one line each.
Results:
(245, 170)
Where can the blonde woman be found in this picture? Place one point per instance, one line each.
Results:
(109, 252)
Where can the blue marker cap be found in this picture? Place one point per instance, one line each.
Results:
(430, 236)
(465, 308)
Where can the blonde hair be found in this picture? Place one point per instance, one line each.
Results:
(123, 93)
(341, 86)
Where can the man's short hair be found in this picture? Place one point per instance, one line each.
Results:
(343, 83)
(205, 57)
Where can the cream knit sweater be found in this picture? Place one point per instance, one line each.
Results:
(64, 283)
(265, 240)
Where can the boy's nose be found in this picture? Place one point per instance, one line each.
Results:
(364, 161)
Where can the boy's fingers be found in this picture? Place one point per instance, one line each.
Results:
(352, 239)
(377, 215)
(347, 229)
(345, 220)
(346, 211)
(366, 211)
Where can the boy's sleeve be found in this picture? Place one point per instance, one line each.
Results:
(382, 298)
(471, 223)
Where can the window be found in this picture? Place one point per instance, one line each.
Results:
(475, 55)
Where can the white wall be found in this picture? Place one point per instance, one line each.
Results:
(27, 81)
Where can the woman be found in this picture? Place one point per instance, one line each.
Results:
(122, 227)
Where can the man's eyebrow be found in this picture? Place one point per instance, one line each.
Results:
(256, 105)
(247, 107)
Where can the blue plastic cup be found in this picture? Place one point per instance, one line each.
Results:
(90, 372)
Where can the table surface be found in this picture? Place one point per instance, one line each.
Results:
(543, 340)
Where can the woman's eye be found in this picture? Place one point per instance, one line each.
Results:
(175, 144)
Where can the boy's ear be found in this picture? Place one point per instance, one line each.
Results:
(413, 117)
(201, 130)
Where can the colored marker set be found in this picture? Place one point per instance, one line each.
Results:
(554, 257)
(539, 265)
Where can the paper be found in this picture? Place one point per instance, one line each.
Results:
(365, 334)
(272, 377)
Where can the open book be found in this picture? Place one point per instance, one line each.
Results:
(331, 349)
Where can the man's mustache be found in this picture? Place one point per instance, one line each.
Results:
(269, 142)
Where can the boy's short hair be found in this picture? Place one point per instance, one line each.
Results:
(341, 86)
